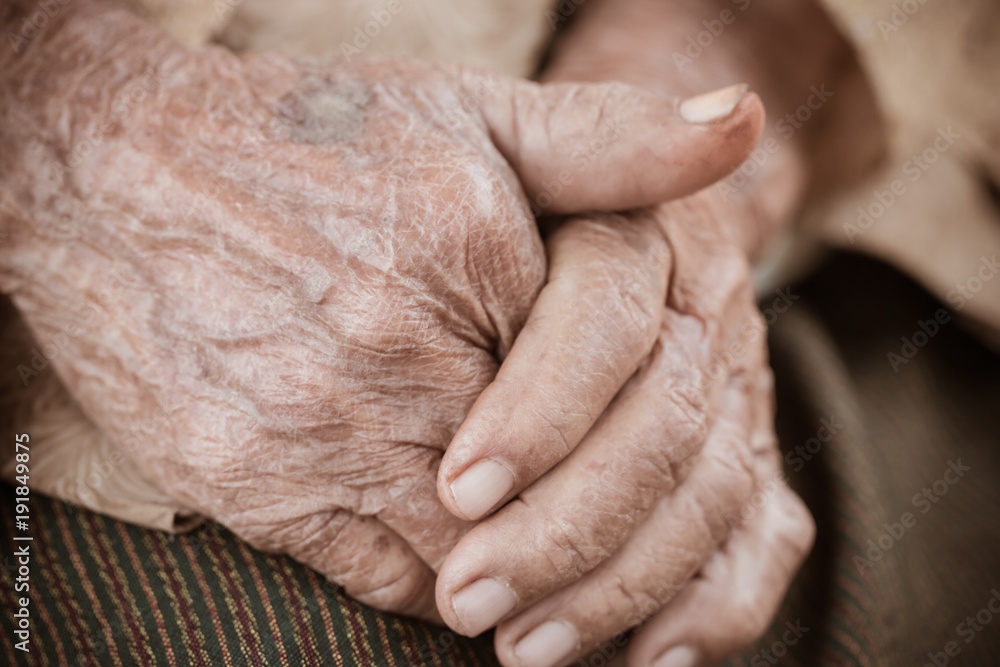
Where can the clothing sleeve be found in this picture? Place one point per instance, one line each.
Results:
(929, 207)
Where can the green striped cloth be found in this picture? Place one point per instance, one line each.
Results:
(107, 593)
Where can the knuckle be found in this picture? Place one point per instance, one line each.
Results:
(679, 434)
(734, 478)
(749, 620)
(638, 306)
(718, 290)
(550, 429)
(569, 555)
(626, 260)
(685, 421)
(478, 194)
(628, 313)
(764, 378)
(637, 604)
(734, 270)
(404, 591)
(575, 546)
(797, 526)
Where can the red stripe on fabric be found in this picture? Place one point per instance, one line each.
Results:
(115, 581)
(237, 599)
(77, 562)
(199, 575)
(181, 601)
(331, 632)
(43, 548)
(147, 590)
(350, 607)
(304, 629)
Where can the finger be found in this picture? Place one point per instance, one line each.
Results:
(575, 517)
(417, 515)
(653, 565)
(372, 562)
(593, 323)
(581, 146)
(741, 587)
(732, 603)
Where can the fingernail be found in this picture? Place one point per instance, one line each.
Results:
(679, 656)
(481, 487)
(547, 645)
(712, 106)
(481, 604)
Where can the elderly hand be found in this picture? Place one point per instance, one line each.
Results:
(640, 465)
(279, 286)
(678, 476)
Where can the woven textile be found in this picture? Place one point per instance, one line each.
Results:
(106, 593)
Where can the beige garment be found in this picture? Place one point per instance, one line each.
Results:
(940, 69)
(935, 68)
(506, 36)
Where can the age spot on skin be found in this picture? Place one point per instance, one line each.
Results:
(326, 112)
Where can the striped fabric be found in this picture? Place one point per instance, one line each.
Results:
(899, 432)
(106, 593)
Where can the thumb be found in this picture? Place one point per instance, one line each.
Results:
(579, 147)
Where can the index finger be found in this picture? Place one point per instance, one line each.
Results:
(593, 324)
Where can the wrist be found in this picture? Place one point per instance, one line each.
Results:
(67, 64)
(66, 91)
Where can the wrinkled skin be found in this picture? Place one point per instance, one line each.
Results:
(279, 286)
(652, 517)
(655, 498)
(305, 337)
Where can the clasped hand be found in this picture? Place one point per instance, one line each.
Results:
(355, 344)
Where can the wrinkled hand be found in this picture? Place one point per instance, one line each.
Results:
(641, 461)
(279, 286)
(658, 499)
